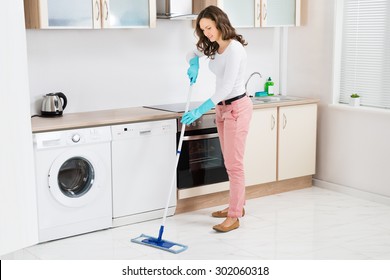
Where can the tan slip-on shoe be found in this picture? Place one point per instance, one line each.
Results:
(221, 228)
(223, 214)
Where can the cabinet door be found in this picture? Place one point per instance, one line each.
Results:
(244, 13)
(128, 13)
(260, 154)
(57, 14)
(88, 14)
(297, 141)
(280, 13)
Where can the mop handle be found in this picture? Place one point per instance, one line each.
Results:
(177, 158)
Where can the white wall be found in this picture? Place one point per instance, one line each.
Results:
(106, 69)
(353, 144)
(18, 215)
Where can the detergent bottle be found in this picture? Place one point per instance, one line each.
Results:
(269, 87)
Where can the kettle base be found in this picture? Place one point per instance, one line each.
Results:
(51, 114)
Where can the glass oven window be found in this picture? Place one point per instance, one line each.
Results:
(201, 163)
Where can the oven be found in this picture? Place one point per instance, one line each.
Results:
(201, 162)
(201, 168)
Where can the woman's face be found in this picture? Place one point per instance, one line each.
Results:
(209, 29)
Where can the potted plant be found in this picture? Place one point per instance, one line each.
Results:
(354, 100)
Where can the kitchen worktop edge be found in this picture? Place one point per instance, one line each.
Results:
(125, 115)
(99, 118)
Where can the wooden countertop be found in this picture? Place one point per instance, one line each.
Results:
(126, 115)
(99, 118)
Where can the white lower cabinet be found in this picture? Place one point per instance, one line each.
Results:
(260, 154)
(281, 144)
(297, 141)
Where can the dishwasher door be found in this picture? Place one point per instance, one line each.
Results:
(143, 163)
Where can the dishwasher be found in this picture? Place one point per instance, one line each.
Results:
(143, 158)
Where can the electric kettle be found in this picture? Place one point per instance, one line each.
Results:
(53, 104)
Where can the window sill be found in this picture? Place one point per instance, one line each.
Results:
(363, 109)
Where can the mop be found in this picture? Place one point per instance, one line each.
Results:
(158, 242)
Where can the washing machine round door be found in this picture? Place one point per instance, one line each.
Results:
(74, 180)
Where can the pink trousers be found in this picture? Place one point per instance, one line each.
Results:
(233, 124)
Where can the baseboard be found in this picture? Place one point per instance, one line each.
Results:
(352, 191)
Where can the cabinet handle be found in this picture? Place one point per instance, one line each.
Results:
(284, 121)
(265, 11)
(272, 122)
(105, 4)
(258, 11)
(98, 10)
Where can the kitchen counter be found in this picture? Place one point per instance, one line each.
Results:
(285, 101)
(127, 115)
(99, 118)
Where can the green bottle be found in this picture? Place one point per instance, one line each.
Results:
(269, 86)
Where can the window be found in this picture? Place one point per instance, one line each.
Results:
(365, 52)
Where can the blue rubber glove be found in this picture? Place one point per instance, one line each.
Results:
(192, 71)
(195, 114)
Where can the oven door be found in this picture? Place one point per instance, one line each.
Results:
(201, 161)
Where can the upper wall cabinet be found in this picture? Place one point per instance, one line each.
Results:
(280, 13)
(244, 13)
(89, 14)
(256, 13)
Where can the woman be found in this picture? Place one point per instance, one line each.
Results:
(219, 42)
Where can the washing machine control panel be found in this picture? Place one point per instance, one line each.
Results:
(49, 140)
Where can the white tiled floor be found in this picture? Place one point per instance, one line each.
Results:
(306, 224)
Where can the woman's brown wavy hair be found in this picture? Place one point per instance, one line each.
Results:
(222, 23)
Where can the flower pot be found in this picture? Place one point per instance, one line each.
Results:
(354, 101)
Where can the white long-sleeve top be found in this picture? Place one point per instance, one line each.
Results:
(229, 69)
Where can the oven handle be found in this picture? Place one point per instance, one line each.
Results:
(200, 137)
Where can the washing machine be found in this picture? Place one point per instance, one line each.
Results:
(73, 180)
